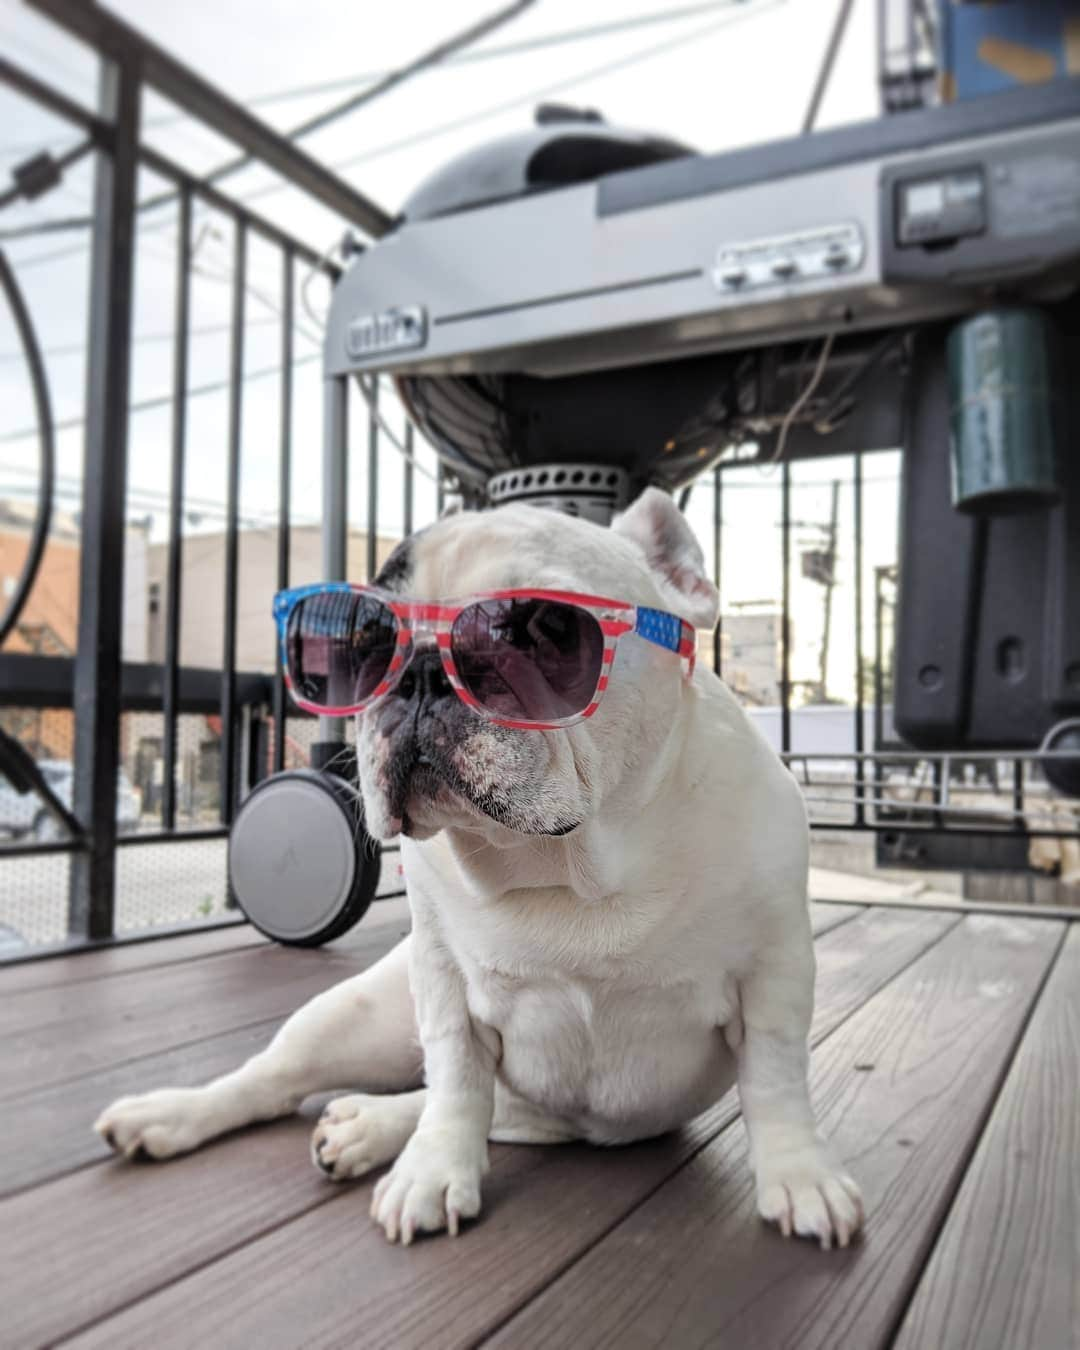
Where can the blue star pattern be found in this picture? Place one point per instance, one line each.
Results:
(663, 629)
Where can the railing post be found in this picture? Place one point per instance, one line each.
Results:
(284, 487)
(335, 529)
(104, 494)
(229, 740)
(785, 609)
(718, 550)
(373, 484)
(170, 706)
(860, 700)
(408, 482)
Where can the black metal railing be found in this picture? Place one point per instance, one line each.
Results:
(93, 683)
(100, 689)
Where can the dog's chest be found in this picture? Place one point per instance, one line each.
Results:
(619, 1033)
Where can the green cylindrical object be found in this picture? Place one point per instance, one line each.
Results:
(1004, 418)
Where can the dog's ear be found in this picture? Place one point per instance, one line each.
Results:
(660, 530)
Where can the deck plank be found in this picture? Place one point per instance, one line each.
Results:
(77, 967)
(543, 1208)
(50, 1036)
(49, 972)
(60, 1111)
(824, 917)
(1006, 1269)
(692, 1266)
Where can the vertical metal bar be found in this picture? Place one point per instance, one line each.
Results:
(229, 740)
(335, 532)
(879, 683)
(718, 544)
(373, 483)
(335, 480)
(101, 573)
(785, 608)
(882, 55)
(860, 738)
(830, 583)
(170, 681)
(440, 490)
(409, 481)
(1018, 794)
(284, 486)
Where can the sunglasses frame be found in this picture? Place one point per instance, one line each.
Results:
(417, 619)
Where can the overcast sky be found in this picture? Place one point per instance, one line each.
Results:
(725, 75)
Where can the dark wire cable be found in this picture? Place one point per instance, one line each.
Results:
(836, 37)
(66, 160)
(433, 57)
(46, 442)
(16, 763)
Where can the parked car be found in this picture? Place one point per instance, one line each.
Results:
(12, 943)
(23, 814)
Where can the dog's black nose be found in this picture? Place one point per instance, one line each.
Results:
(424, 678)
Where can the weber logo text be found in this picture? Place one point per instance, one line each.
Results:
(390, 331)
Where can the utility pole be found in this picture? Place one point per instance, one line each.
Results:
(829, 582)
(819, 564)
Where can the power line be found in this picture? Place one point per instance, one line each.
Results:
(147, 499)
(140, 339)
(432, 57)
(148, 502)
(221, 277)
(428, 59)
(748, 9)
(543, 40)
(358, 82)
(163, 400)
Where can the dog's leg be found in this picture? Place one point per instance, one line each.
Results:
(359, 1133)
(435, 1182)
(799, 1186)
(360, 1033)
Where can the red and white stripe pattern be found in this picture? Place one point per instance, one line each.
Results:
(419, 619)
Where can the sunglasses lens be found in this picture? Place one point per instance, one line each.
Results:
(528, 660)
(339, 645)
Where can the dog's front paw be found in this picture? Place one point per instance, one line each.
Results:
(805, 1193)
(359, 1133)
(156, 1124)
(434, 1184)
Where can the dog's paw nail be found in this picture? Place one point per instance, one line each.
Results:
(811, 1198)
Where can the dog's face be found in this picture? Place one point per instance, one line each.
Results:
(427, 761)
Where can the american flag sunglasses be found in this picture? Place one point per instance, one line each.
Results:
(535, 659)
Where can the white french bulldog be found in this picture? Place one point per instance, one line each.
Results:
(609, 921)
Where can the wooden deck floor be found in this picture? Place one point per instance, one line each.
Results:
(946, 1073)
